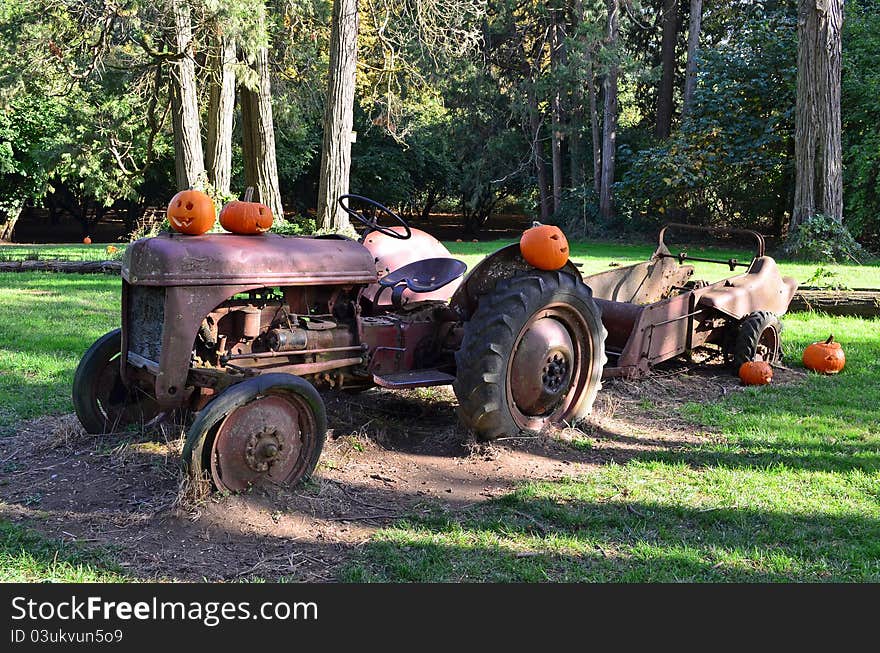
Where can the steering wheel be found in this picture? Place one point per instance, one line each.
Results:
(372, 224)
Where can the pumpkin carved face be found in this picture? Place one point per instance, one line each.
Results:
(246, 218)
(824, 357)
(544, 246)
(755, 373)
(191, 212)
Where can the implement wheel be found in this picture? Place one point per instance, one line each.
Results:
(532, 355)
(268, 430)
(103, 403)
(757, 339)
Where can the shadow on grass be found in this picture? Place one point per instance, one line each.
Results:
(520, 539)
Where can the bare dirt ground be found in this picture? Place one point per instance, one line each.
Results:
(387, 455)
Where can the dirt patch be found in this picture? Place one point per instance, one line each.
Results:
(388, 455)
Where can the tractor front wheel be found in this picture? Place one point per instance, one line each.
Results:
(531, 356)
(268, 430)
(103, 403)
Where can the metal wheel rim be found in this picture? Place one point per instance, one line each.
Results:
(250, 428)
(767, 348)
(118, 404)
(581, 367)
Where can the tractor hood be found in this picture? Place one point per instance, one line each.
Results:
(228, 259)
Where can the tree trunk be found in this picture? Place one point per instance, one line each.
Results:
(609, 122)
(576, 110)
(557, 59)
(538, 156)
(818, 154)
(189, 159)
(690, 79)
(13, 213)
(594, 130)
(862, 302)
(667, 55)
(258, 131)
(221, 105)
(338, 116)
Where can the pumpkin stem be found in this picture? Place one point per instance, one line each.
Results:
(830, 340)
(249, 194)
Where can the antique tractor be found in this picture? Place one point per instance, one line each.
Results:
(241, 331)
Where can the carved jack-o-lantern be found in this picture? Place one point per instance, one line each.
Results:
(191, 212)
(544, 246)
(825, 357)
(247, 218)
(756, 373)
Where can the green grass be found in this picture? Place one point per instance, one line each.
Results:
(596, 256)
(65, 252)
(788, 487)
(28, 557)
(47, 321)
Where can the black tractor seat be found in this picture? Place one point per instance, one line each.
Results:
(424, 276)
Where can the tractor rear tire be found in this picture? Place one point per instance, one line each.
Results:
(531, 356)
(757, 339)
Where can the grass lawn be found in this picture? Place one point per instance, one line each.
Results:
(787, 489)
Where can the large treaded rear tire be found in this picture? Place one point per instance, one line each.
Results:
(484, 360)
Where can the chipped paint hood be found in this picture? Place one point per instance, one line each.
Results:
(228, 259)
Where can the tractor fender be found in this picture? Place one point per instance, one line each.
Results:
(504, 263)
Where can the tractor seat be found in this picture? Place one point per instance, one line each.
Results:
(424, 276)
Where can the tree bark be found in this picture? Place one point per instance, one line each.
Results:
(609, 122)
(258, 131)
(538, 156)
(818, 151)
(667, 80)
(557, 59)
(7, 226)
(189, 159)
(862, 302)
(594, 130)
(338, 116)
(576, 110)
(221, 105)
(690, 79)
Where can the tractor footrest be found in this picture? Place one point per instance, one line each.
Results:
(413, 379)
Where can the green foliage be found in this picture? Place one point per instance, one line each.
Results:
(300, 226)
(860, 97)
(820, 238)
(731, 160)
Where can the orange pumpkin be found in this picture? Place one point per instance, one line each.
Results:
(191, 212)
(544, 246)
(825, 357)
(246, 218)
(755, 373)
(87, 240)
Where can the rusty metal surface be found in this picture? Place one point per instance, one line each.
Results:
(761, 288)
(543, 363)
(501, 264)
(261, 443)
(390, 254)
(267, 259)
(642, 283)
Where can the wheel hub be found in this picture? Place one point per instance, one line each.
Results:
(542, 366)
(259, 444)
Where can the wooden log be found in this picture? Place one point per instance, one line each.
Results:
(77, 267)
(860, 302)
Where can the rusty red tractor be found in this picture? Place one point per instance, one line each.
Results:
(240, 332)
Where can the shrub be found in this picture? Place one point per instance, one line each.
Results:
(820, 238)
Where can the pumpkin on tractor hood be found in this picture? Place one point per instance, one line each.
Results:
(544, 246)
(191, 212)
(246, 217)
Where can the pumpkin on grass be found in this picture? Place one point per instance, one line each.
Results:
(246, 217)
(191, 212)
(544, 246)
(824, 357)
(755, 373)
